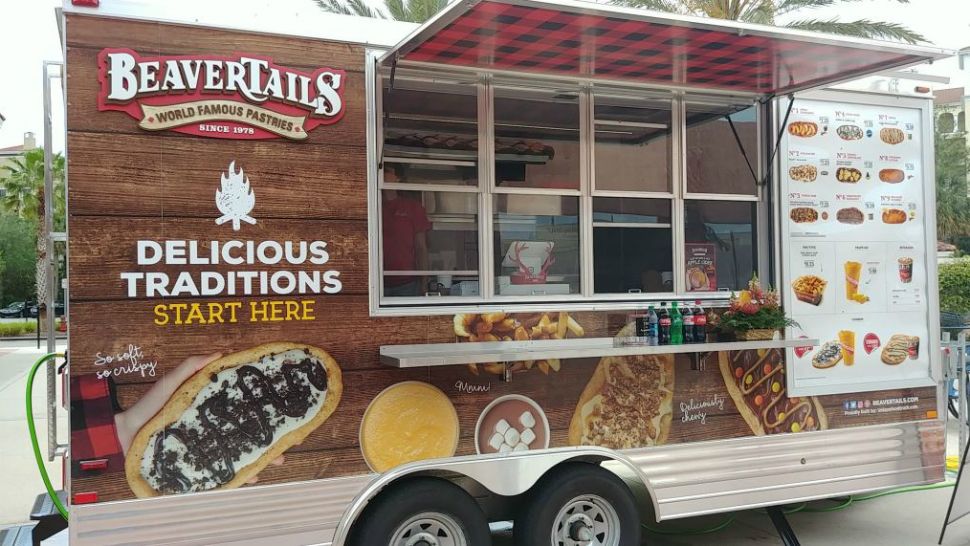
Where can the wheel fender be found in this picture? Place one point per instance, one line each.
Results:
(507, 475)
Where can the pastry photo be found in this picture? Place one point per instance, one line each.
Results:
(803, 173)
(627, 403)
(803, 215)
(809, 289)
(232, 418)
(892, 135)
(803, 129)
(893, 216)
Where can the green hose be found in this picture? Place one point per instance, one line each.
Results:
(33, 433)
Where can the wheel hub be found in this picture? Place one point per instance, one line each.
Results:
(429, 529)
(587, 520)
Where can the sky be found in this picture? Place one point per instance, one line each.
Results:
(29, 37)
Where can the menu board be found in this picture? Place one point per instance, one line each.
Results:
(855, 257)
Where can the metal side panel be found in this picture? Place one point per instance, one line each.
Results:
(719, 476)
(282, 515)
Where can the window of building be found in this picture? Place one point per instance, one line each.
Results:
(500, 191)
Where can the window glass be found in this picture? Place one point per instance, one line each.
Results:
(537, 139)
(715, 163)
(720, 244)
(431, 134)
(632, 246)
(632, 144)
(536, 244)
(430, 243)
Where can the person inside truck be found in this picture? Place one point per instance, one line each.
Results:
(405, 227)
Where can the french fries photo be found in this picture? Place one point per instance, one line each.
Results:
(516, 327)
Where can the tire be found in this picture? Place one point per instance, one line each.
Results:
(599, 505)
(445, 512)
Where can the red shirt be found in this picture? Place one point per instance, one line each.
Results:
(402, 219)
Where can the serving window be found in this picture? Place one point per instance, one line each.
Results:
(506, 191)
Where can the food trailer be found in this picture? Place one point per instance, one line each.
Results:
(336, 280)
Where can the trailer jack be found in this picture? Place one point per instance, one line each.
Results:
(785, 532)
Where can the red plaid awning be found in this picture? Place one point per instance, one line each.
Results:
(593, 41)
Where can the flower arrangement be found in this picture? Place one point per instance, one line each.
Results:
(756, 311)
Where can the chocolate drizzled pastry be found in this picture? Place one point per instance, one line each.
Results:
(201, 451)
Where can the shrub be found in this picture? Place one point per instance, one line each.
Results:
(955, 286)
(17, 328)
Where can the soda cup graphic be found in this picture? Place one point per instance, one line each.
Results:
(847, 341)
(905, 270)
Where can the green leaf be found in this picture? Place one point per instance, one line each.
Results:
(863, 28)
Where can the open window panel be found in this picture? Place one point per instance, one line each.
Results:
(722, 155)
(632, 136)
(429, 186)
(430, 128)
(537, 142)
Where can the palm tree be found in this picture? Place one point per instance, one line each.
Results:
(24, 196)
(763, 12)
(412, 11)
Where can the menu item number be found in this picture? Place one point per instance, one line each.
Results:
(809, 289)
(892, 135)
(892, 176)
(803, 173)
(848, 175)
(893, 216)
(803, 215)
(804, 129)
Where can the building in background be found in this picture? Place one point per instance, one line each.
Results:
(7, 155)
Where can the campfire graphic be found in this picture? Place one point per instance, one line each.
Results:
(235, 200)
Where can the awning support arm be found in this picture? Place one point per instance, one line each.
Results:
(781, 133)
(387, 117)
(737, 138)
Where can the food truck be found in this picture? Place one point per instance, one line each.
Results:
(336, 280)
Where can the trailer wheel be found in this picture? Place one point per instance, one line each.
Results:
(422, 512)
(579, 504)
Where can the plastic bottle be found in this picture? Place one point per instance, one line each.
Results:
(688, 323)
(676, 325)
(653, 327)
(663, 325)
(700, 323)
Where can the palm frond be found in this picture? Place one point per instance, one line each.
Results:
(349, 7)
(863, 28)
(420, 11)
(787, 6)
(667, 6)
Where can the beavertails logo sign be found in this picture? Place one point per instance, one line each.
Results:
(240, 97)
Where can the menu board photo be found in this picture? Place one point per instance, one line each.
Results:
(854, 249)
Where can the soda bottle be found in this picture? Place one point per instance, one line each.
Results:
(653, 327)
(663, 325)
(676, 325)
(688, 324)
(700, 323)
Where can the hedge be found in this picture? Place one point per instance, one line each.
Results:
(17, 328)
(955, 286)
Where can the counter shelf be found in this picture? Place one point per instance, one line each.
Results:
(452, 354)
